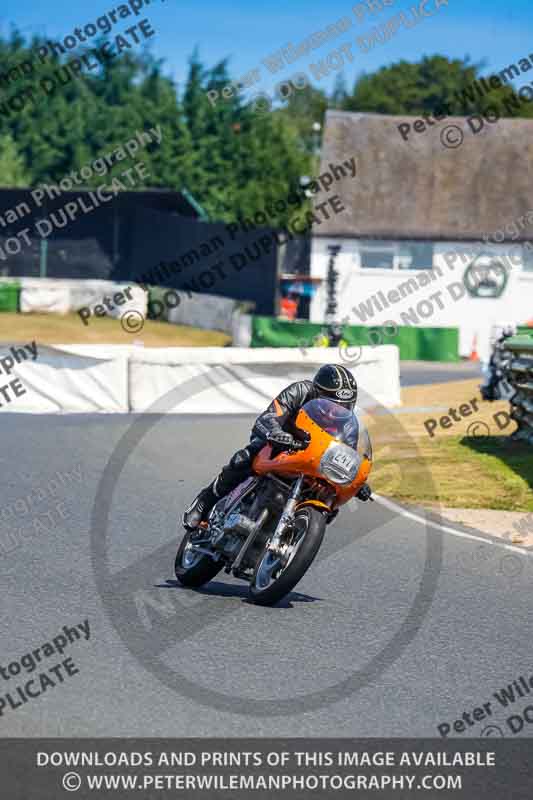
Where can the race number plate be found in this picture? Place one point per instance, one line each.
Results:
(344, 459)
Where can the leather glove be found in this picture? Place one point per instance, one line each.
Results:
(282, 439)
(364, 493)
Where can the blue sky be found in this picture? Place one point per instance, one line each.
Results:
(488, 30)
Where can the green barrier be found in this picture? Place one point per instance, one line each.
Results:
(271, 332)
(524, 330)
(415, 344)
(9, 296)
(516, 343)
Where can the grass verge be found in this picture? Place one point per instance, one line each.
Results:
(486, 471)
(69, 329)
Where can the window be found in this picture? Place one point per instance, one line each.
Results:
(527, 257)
(377, 255)
(415, 255)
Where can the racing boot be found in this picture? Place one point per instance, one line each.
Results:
(199, 509)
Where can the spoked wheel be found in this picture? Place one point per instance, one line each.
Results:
(192, 568)
(277, 574)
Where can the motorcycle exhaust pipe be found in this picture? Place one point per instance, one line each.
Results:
(256, 527)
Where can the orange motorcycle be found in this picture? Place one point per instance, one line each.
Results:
(270, 528)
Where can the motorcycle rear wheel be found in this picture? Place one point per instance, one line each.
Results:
(194, 569)
(271, 581)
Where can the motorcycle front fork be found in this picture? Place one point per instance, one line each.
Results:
(287, 516)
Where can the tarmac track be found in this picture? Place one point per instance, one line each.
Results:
(419, 373)
(381, 638)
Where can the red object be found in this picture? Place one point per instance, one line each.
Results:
(474, 354)
(288, 308)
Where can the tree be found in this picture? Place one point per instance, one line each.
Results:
(434, 83)
(306, 107)
(12, 167)
(241, 159)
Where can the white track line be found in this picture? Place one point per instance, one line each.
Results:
(453, 531)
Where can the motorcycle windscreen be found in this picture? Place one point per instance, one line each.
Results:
(342, 423)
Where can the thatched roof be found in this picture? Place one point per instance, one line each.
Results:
(419, 189)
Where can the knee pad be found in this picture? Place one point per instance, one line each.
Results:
(241, 459)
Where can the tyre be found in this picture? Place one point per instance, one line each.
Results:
(275, 577)
(194, 569)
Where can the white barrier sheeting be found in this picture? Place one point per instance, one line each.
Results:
(120, 378)
(241, 330)
(251, 377)
(205, 311)
(61, 296)
(65, 382)
(51, 295)
(40, 296)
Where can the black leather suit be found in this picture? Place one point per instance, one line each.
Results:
(279, 415)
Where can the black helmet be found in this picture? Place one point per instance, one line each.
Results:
(337, 384)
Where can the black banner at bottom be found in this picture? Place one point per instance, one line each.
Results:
(52, 769)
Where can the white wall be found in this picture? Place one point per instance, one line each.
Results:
(64, 295)
(226, 380)
(473, 316)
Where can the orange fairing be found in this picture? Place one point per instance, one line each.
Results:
(307, 461)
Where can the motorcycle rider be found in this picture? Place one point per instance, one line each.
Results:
(332, 381)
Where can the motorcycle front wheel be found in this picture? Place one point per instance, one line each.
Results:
(193, 569)
(275, 576)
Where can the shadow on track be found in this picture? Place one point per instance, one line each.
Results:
(220, 589)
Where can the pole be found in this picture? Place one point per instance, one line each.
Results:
(333, 329)
(43, 250)
(43, 257)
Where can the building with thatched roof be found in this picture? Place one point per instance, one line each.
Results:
(434, 229)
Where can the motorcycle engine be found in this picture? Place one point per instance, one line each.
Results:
(216, 523)
(230, 528)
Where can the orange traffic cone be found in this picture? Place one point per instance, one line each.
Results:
(474, 354)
